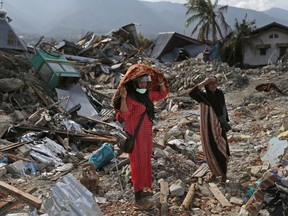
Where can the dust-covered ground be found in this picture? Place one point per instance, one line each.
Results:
(255, 116)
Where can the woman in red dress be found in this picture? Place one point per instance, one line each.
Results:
(136, 98)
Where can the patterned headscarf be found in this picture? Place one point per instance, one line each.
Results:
(135, 71)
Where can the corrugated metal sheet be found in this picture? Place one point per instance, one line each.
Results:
(160, 43)
(70, 198)
(76, 96)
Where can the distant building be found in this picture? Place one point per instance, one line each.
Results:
(8, 37)
(267, 46)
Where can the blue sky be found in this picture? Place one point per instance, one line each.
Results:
(259, 5)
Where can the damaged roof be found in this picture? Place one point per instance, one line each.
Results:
(8, 38)
(167, 41)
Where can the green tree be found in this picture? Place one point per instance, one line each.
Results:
(232, 50)
(210, 19)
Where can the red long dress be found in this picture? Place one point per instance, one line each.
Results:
(140, 158)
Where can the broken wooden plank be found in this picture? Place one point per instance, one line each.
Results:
(155, 144)
(113, 167)
(96, 139)
(101, 94)
(96, 121)
(99, 133)
(60, 174)
(72, 135)
(12, 146)
(4, 56)
(189, 197)
(164, 192)
(201, 171)
(5, 208)
(28, 198)
(17, 157)
(59, 138)
(17, 102)
(40, 95)
(218, 195)
(3, 130)
(200, 181)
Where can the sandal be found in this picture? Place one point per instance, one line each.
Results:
(146, 194)
(211, 177)
(143, 204)
(223, 181)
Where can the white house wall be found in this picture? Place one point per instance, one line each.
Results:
(252, 54)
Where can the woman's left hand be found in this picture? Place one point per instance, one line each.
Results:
(160, 78)
(123, 92)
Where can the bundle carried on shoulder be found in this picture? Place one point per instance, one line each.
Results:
(135, 71)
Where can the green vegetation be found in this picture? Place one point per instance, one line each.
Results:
(210, 20)
(232, 49)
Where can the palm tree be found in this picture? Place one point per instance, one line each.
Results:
(233, 45)
(211, 22)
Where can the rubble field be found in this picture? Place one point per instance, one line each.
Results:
(46, 151)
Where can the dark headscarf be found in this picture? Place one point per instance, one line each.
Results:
(216, 100)
(135, 71)
(141, 98)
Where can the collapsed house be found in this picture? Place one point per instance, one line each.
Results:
(9, 40)
(172, 46)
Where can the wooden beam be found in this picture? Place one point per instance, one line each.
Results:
(120, 165)
(3, 130)
(201, 171)
(12, 146)
(40, 95)
(200, 181)
(28, 198)
(96, 121)
(189, 197)
(5, 208)
(218, 195)
(96, 139)
(59, 138)
(17, 157)
(164, 192)
(60, 174)
(72, 135)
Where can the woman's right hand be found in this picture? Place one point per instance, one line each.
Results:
(209, 80)
(123, 92)
(206, 81)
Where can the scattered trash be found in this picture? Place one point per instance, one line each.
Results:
(103, 155)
